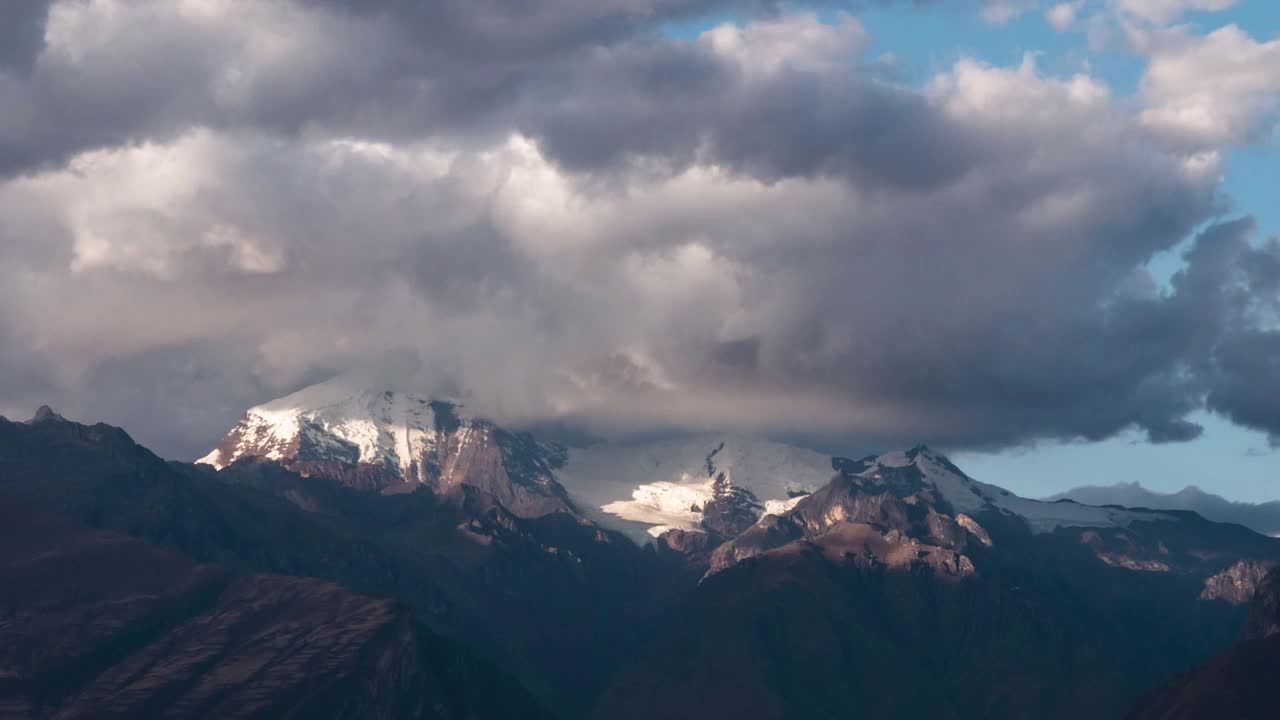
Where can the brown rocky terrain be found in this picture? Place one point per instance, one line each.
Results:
(889, 518)
(99, 625)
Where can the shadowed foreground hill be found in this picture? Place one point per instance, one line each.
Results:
(534, 595)
(94, 624)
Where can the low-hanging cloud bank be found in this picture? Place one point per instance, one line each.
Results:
(557, 212)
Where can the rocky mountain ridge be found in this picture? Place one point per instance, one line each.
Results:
(744, 494)
(873, 515)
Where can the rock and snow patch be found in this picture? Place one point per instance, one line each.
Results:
(645, 489)
(777, 507)
(665, 505)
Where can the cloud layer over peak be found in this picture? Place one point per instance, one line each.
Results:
(557, 211)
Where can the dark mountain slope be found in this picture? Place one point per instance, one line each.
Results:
(534, 594)
(791, 635)
(538, 593)
(99, 625)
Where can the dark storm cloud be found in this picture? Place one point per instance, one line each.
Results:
(1247, 381)
(22, 33)
(398, 69)
(553, 210)
(393, 68)
(485, 30)
(687, 103)
(1232, 310)
(219, 374)
(122, 72)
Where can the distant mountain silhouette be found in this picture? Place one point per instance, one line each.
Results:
(1262, 517)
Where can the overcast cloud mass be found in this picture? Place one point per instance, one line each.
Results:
(554, 210)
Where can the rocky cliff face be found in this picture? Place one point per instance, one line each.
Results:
(731, 509)
(1238, 583)
(1264, 610)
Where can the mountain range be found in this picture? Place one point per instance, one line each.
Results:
(444, 566)
(1262, 517)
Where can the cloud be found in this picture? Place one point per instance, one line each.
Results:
(22, 34)
(1260, 517)
(1166, 11)
(1001, 12)
(1246, 380)
(390, 69)
(1063, 15)
(211, 202)
(1210, 90)
(781, 98)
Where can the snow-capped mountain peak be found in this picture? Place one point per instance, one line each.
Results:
(331, 422)
(380, 439)
(969, 496)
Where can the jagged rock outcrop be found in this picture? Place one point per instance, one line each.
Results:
(731, 509)
(45, 414)
(1238, 583)
(693, 546)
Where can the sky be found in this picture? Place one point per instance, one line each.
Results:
(1039, 235)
